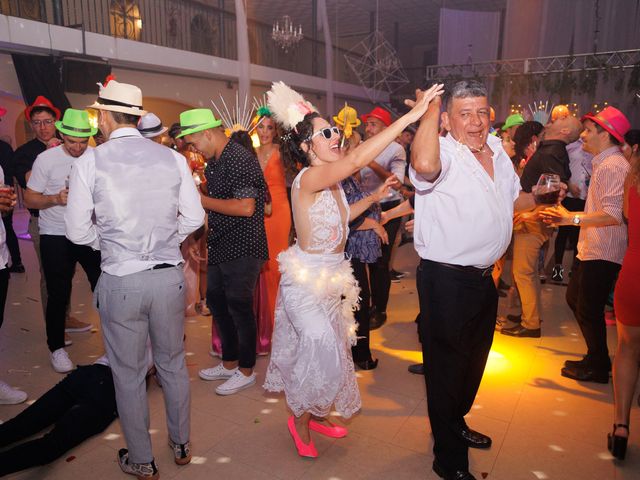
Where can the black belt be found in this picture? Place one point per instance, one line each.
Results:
(160, 266)
(483, 272)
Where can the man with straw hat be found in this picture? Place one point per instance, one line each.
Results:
(145, 203)
(237, 245)
(47, 190)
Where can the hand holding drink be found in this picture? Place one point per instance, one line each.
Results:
(7, 198)
(547, 190)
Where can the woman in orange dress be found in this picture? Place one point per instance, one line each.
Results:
(277, 225)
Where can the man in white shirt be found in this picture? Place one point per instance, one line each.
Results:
(47, 192)
(466, 192)
(8, 395)
(392, 161)
(145, 204)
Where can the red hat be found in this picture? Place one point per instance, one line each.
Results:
(379, 113)
(41, 102)
(612, 120)
(3, 111)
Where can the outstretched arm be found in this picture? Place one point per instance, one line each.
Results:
(323, 176)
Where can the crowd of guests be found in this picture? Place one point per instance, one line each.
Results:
(294, 255)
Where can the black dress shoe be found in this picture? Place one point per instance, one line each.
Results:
(417, 369)
(586, 373)
(17, 268)
(520, 331)
(474, 439)
(581, 363)
(378, 319)
(515, 318)
(367, 364)
(455, 475)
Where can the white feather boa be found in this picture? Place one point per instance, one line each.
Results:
(326, 276)
(287, 106)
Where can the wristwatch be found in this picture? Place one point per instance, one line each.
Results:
(576, 220)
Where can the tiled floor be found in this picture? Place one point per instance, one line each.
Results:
(543, 426)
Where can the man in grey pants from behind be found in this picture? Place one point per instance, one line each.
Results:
(145, 203)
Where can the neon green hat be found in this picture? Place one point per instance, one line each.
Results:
(512, 121)
(197, 120)
(75, 123)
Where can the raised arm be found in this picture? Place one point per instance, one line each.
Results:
(425, 150)
(323, 176)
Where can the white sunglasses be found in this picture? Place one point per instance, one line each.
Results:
(325, 132)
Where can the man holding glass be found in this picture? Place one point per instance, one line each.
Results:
(466, 193)
(550, 158)
(602, 242)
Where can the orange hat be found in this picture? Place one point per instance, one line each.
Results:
(41, 101)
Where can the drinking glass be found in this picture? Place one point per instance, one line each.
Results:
(547, 190)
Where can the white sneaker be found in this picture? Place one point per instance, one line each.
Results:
(217, 373)
(236, 383)
(10, 396)
(61, 361)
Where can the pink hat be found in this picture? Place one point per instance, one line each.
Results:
(612, 120)
(41, 101)
(3, 112)
(379, 113)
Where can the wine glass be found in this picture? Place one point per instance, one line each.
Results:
(547, 190)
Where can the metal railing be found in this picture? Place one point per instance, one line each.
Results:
(182, 24)
(539, 65)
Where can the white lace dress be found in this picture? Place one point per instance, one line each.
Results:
(314, 325)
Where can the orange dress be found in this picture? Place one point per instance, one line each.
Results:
(277, 227)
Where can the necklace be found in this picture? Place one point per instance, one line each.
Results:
(477, 150)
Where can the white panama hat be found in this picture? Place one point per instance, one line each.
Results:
(150, 126)
(119, 97)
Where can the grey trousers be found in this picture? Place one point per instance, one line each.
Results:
(34, 233)
(133, 307)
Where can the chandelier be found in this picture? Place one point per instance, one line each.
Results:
(285, 34)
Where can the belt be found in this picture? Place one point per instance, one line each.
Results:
(483, 272)
(160, 266)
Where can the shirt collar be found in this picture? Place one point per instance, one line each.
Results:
(125, 132)
(492, 141)
(597, 159)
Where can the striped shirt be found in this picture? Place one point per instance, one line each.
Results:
(605, 194)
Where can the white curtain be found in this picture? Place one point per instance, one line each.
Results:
(467, 34)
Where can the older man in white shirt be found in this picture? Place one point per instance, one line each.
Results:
(145, 203)
(466, 192)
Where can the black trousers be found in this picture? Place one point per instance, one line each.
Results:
(379, 272)
(589, 288)
(230, 290)
(568, 232)
(80, 406)
(361, 351)
(458, 314)
(59, 259)
(4, 287)
(12, 239)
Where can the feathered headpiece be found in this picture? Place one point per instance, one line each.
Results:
(288, 106)
(261, 109)
(238, 118)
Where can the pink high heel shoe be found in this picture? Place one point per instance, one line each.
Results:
(304, 450)
(334, 431)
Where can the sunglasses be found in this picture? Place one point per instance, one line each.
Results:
(37, 123)
(325, 132)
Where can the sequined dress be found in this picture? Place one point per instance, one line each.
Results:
(314, 324)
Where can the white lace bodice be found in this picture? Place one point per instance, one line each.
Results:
(323, 228)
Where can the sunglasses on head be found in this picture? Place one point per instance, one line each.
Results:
(326, 133)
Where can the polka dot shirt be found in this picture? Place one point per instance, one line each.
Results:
(236, 174)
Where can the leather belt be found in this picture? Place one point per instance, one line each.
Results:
(483, 272)
(160, 266)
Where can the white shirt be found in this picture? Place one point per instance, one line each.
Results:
(4, 251)
(464, 217)
(143, 199)
(49, 174)
(393, 159)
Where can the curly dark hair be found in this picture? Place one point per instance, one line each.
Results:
(243, 138)
(524, 136)
(290, 143)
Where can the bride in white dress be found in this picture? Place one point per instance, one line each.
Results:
(314, 324)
